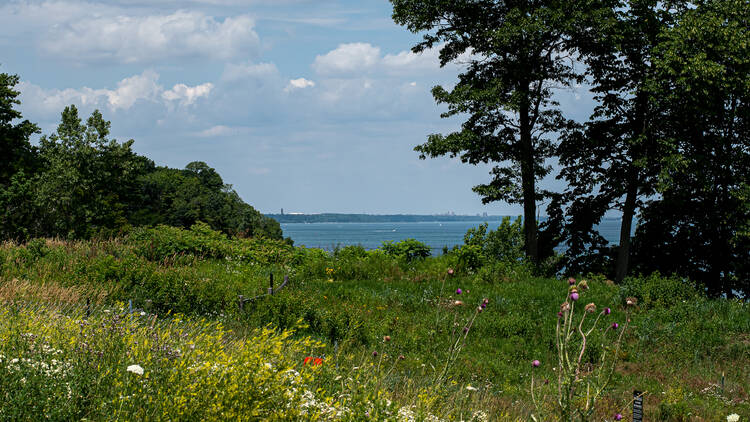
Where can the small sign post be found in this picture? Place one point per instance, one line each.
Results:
(637, 406)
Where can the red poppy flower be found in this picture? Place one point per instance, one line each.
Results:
(313, 361)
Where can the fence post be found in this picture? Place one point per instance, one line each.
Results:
(637, 406)
(130, 306)
(241, 302)
(270, 289)
(88, 307)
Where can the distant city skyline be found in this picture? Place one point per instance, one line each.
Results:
(312, 106)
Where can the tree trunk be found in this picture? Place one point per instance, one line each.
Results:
(628, 211)
(528, 183)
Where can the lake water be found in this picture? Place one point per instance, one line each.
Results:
(372, 235)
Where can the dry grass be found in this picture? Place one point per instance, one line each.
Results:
(15, 290)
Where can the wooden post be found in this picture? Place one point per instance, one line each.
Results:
(637, 406)
(270, 289)
(241, 302)
(88, 307)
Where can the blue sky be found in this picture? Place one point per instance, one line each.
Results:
(309, 105)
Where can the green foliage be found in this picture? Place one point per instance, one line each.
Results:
(656, 290)
(502, 247)
(513, 53)
(407, 249)
(695, 227)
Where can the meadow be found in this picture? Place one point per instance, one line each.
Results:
(149, 327)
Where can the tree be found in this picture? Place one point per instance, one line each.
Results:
(18, 164)
(15, 145)
(87, 182)
(183, 197)
(614, 160)
(698, 227)
(516, 53)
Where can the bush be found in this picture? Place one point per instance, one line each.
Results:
(656, 290)
(408, 249)
(482, 247)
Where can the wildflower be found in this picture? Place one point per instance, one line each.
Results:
(387, 339)
(574, 296)
(457, 303)
(535, 363)
(583, 285)
(733, 417)
(136, 369)
(484, 305)
(450, 271)
(459, 291)
(559, 314)
(631, 301)
(470, 388)
(615, 325)
(466, 330)
(590, 308)
(571, 281)
(607, 311)
(374, 353)
(565, 307)
(479, 309)
(401, 357)
(618, 417)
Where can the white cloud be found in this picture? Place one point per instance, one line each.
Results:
(139, 39)
(348, 58)
(187, 95)
(364, 58)
(129, 91)
(234, 72)
(300, 83)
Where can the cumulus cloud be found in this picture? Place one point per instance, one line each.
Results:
(364, 58)
(187, 95)
(129, 91)
(235, 72)
(348, 58)
(144, 39)
(300, 83)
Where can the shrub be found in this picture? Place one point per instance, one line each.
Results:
(408, 249)
(656, 290)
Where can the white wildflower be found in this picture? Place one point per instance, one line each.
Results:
(470, 388)
(733, 417)
(136, 369)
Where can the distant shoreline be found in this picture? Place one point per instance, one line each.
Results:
(378, 218)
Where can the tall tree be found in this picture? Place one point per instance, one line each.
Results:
(614, 160)
(698, 227)
(17, 166)
(87, 180)
(15, 145)
(516, 52)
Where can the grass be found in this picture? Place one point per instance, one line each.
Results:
(342, 306)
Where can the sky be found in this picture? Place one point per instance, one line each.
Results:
(306, 105)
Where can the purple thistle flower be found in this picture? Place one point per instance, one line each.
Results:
(574, 296)
(618, 417)
(459, 291)
(484, 305)
(607, 311)
(615, 325)
(571, 281)
(559, 315)
(374, 353)
(466, 330)
(535, 363)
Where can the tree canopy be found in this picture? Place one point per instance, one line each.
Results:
(80, 183)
